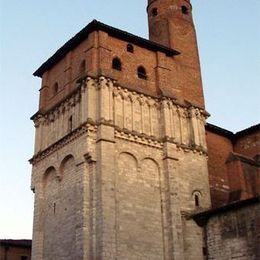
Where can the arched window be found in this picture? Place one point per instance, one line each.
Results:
(197, 200)
(116, 64)
(130, 48)
(154, 12)
(196, 197)
(55, 88)
(82, 67)
(185, 9)
(141, 72)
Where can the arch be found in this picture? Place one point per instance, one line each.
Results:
(185, 9)
(116, 64)
(82, 67)
(196, 195)
(130, 156)
(49, 177)
(130, 48)
(141, 73)
(49, 171)
(64, 162)
(151, 159)
(155, 11)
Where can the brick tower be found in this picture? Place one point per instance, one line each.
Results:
(120, 153)
(171, 24)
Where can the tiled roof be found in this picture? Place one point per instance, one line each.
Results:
(16, 242)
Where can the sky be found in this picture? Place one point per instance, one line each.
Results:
(31, 31)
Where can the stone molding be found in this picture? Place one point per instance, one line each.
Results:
(84, 128)
(136, 117)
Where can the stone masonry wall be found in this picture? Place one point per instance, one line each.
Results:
(235, 234)
(120, 182)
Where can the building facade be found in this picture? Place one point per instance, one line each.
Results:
(11, 249)
(120, 161)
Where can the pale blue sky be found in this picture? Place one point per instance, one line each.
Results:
(31, 31)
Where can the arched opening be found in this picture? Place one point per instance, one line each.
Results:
(196, 195)
(130, 48)
(185, 9)
(154, 12)
(116, 64)
(197, 200)
(141, 73)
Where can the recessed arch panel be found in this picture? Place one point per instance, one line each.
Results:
(139, 219)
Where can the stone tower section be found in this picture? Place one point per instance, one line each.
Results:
(120, 160)
(171, 24)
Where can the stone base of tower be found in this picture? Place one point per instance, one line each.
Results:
(122, 183)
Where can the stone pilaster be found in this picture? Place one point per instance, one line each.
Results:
(173, 213)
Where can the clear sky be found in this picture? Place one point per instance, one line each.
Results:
(31, 31)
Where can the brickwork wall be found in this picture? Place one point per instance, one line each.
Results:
(235, 234)
(248, 145)
(232, 168)
(219, 149)
(173, 27)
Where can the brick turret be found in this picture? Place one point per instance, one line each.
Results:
(171, 24)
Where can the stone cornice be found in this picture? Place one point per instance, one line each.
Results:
(124, 91)
(138, 138)
(84, 128)
(153, 141)
(132, 136)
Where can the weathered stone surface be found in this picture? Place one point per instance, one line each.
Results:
(234, 234)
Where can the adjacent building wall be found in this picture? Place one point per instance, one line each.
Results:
(219, 149)
(234, 169)
(15, 249)
(234, 234)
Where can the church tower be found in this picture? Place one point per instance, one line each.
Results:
(120, 160)
(171, 24)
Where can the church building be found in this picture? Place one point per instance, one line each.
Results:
(125, 166)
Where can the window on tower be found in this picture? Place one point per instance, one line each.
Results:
(130, 48)
(185, 9)
(197, 200)
(141, 72)
(116, 64)
(154, 12)
(196, 196)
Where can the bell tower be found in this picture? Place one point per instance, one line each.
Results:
(171, 24)
(120, 160)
